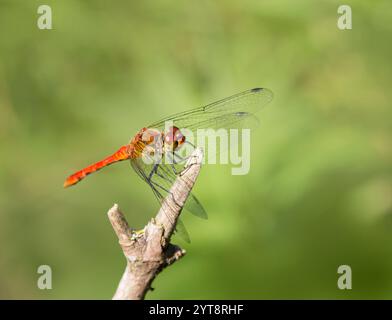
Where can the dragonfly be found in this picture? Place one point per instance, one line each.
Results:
(149, 149)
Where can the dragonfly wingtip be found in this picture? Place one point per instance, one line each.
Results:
(256, 89)
(269, 94)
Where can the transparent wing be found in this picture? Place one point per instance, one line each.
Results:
(227, 113)
(181, 231)
(160, 181)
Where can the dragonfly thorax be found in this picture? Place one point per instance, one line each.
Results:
(151, 142)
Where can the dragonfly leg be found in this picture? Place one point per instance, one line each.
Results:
(172, 161)
(182, 159)
(190, 143)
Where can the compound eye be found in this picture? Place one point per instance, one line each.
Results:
(174, 138)
(180, 138)
(170, 136)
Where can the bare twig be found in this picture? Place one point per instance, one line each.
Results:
(150, 251)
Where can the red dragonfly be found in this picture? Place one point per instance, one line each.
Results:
(157, 140)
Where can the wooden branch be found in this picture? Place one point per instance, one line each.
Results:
(150, 251)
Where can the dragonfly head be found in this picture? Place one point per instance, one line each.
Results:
(173, 139)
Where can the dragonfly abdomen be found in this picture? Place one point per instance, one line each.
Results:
(121, 154)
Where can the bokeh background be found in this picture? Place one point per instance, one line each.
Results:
(319, 192)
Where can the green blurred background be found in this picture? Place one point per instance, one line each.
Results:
(319, 192)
